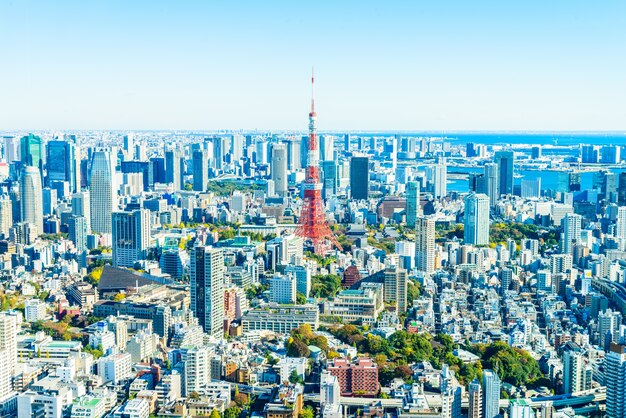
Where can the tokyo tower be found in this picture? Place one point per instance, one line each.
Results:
(313, 225)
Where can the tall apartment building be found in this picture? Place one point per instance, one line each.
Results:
(475, 409)
(283, 289)
(207, 288)
(615, 374)
(279, 168)
(197, 370)
(425, 244)
(491, 394)
(571, 232)
(395, 287)
(476, 219)
(576, 372)
(356, 379)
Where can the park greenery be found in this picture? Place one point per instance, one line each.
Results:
(325, 285)
(395, 354)
(301, 338)
(227, 187)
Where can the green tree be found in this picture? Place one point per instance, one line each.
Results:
(294, 377)
(297, 348)
(232, 412)
(215, 414)
(307, 412)
(300, 298)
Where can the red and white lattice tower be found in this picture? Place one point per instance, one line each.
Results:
(313, 225)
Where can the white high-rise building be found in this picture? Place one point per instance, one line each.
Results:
(438, 177)
(81, 207)
(330, 396)
(8, 360)
(31, 198)
(103, 197)
(115, 367)
(34, 310)
(425, 244)
(283, 289)
(77, 228)
(576, 372)
(197, 371)
(615, 377)
(620, 227)
(571, 232)
(491, 394)
(131, 237)
(207, 289)
(476, 219)
(279, 168)
(609, 323)
(6, 214)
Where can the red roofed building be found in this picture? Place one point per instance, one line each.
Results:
(356, 379)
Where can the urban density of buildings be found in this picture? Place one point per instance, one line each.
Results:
(311, 274)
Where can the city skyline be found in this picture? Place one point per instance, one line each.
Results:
(423, 67)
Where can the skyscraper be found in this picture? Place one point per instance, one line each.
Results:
(6, 215)
(207, 288)
(438, 178)
(615, 377)
(492, 181)
(359, 177)
(425, 244)
(77, 228)
(131, 237)
(31, 152)
(81, 206)
(63, 163)
(476, 219)
(620, 224)
(129, 146)
(621, 189)
(8, 358)
(102, 193)
(413, 208)
(331, 178)
(236, 147)
(505, 160)
(475, 409)
(279, 168)
(11, 149)
(571, 232)
(174, 169)
(31, 198)
(200, 171)
(491, 394)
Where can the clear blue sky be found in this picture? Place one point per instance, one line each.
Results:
(380, 65)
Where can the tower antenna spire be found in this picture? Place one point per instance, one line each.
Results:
(312, 89)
